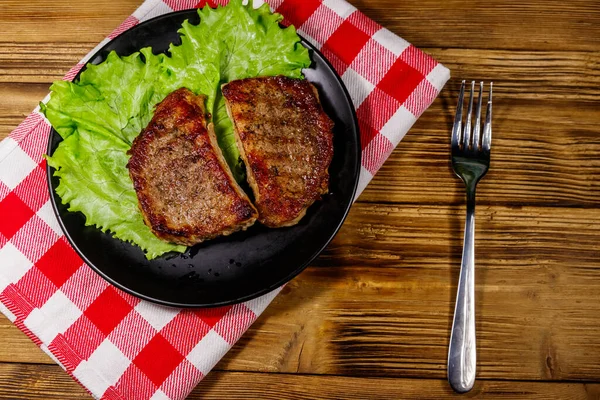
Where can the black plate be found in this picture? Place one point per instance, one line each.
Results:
(246, 264)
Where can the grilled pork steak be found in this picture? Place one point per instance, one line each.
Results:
(185, 189)
(286, 141)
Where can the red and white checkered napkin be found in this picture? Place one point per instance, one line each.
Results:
(117, 346)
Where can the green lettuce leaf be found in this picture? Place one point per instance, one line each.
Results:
(250, 43)
(99, 116)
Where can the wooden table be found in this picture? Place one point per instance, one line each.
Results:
(371, 317)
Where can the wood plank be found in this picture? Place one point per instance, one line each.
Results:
(60, 21)
(379, 301)
(50, 382)
(17, 100)
(533, 162)
(426, 237)
(219, 385)
(38, 382)
(557, 25)
(501, 24)
(35, 62)
(531, 75)
(17, 347)
(525, 75)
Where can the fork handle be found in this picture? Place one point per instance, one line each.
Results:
(462, 354)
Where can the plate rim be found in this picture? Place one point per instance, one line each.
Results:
(239, 299)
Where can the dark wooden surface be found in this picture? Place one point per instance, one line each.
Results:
(371, 318)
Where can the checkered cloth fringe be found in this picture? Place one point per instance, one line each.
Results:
(116, 345)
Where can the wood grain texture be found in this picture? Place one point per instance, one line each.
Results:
(38, 382)
(500, 24)
(39, 62)
(17, 100)
(373, 312)
(533, 162)
(29, 382)
(16, 347)
(33, 382)
(238, 385)
(62, 20)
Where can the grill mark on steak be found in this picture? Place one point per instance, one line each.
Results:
(185, 190)
(286, 141)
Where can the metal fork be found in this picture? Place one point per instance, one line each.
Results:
(470, 161)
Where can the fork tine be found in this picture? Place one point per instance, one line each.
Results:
(477, 128)
(487, 128)
(467, 130)
(456, 129)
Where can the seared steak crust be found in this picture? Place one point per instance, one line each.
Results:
(185, 190)
(286, 141)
